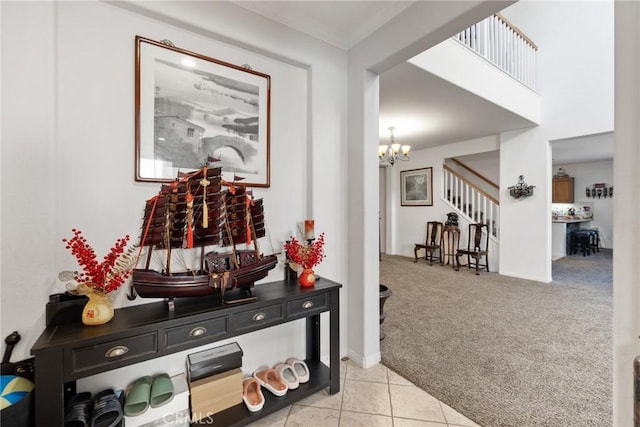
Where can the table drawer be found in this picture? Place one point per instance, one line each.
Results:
(205, 330)
(112, 352)
(304, 306)
(258, 317)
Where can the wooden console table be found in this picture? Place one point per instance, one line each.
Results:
(66, 353)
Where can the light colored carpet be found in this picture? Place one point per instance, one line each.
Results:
(505, 351)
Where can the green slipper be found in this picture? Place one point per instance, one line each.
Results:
(161, 390)
(137, 400)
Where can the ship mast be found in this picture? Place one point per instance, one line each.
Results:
(234, 258)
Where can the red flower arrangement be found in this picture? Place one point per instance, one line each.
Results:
(307, 256)
(108, 275)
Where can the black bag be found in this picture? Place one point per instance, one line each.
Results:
(21, 413)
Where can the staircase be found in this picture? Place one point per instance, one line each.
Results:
(468, 199)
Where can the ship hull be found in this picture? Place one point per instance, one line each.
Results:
(152, 284)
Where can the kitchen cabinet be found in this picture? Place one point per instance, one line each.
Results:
(563, 190)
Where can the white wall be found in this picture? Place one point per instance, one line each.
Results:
(382, 194)
(455, 63)
(570, 60)
(525, 223)
(585, 175)
(575, 79)
(68, 128)
(486, 164)
(28, 138)
(409, 222)
(417, 28)
(575, 62)
(626, 268)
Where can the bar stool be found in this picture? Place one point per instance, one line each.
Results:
(594, 239)
(581, 241)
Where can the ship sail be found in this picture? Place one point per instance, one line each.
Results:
(194, 212)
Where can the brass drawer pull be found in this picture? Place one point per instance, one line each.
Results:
(196, 332)
(116, 351)
(307, 304)
(259, 316)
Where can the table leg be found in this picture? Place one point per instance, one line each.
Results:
(49, 383)
(334, 341)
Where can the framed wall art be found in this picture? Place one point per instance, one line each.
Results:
(193, 110)
(416, 187)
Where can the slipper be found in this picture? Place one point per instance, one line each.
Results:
(288, 375)
(78, 410)
(137, 400)
(161, 390)
(271, 380)
(252, 394)
(107, 410)
(301, 369)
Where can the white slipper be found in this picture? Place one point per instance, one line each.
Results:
(252, 394)
(271, 380)
(300, 368)
(288, 375)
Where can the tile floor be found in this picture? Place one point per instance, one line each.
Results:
(374, 397)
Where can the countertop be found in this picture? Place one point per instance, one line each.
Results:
(570, 220)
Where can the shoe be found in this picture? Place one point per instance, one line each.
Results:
(107, 410)
(288, 375)
(161, 390)
(271, 380)
(301, 369)
(252, 394)
(137, 400)
(77, 413)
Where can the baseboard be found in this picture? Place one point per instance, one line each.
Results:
(523, 276)
(364, 362)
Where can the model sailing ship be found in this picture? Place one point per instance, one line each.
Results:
(187, 216)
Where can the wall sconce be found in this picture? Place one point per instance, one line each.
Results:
(599, 190)
(521, 189)
(389, 154)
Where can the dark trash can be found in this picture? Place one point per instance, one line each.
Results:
(385, 293)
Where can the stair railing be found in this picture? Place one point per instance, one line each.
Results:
(470, 201)
(475, 173)
(504, 45)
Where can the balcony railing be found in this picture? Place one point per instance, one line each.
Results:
(504, 45)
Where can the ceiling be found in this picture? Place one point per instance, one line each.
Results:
(583, 149)
(340, 23)
(446, 113)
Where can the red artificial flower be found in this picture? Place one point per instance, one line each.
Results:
(308, 255)
(108, 275)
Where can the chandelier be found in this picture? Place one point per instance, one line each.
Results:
(389, 154)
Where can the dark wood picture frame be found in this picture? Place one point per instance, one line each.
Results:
(416, 187)
(191, 110)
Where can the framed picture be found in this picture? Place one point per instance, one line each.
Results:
(192, 110)
(416, 187)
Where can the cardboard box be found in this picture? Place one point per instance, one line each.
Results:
(216, 393)
(172, 413)
(213, 361)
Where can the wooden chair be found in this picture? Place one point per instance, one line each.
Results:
(432, 243)
(477, 247)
